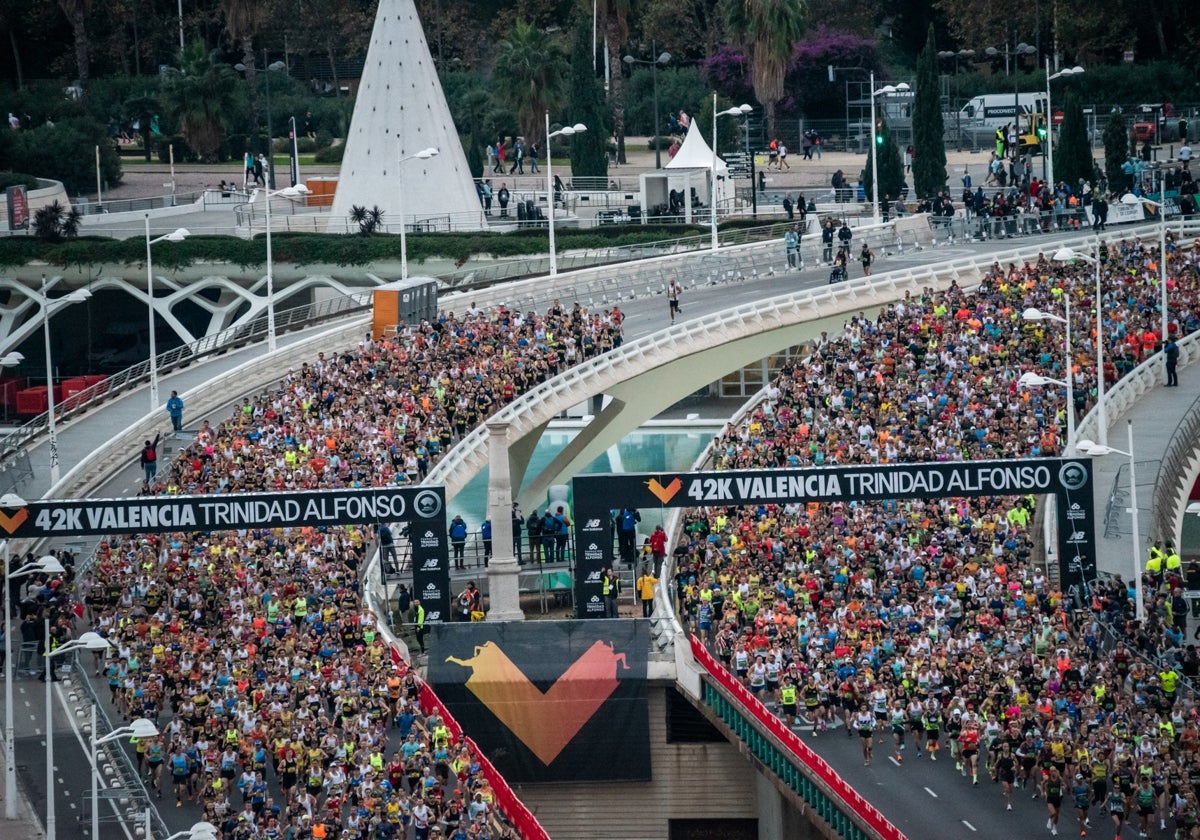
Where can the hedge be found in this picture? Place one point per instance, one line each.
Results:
(18, 179)
(343, 250)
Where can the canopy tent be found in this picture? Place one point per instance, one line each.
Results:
(690, 170)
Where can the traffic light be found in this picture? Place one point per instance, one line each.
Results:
(878, 133)
(1041, 129)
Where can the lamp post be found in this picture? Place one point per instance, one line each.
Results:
(139, 728)
(1068, 255)
(46, 565)
(887, 89)
(297, 191)
(1049, 159)
(52, 427)
(177, 235)
(424, 154)
(1089, 448)
(1033, 379)
(1018, 51)
(736, 111)
(663, 58)
(565, 131)
(88, 641)
(1161, 205)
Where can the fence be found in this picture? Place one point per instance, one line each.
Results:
(87, 207)
(1175, 467)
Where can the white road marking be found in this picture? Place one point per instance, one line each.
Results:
(86, 747)
(968, 825)
(892, 759)
(931, 793)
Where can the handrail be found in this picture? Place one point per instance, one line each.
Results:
(230, 337)
(850, 798)
(1180, 451)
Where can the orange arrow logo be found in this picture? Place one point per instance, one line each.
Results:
(12, 523)
(664, 494)
(544, 722)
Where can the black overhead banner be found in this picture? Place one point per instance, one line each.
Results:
(549, 701)
(231, 512)
(1069, 479)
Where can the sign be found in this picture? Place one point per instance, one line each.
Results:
(549, 701)
(1058, 117)
(223, 512)
(1069, 479)
(18, 207)
(431, 566)
(1119, 212)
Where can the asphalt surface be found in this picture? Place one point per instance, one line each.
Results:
(961, 810)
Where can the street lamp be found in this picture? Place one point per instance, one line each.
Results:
(1095, 449)
(199, 831)
(1066, 71)
(1161, 205)
(52, 427)
(1068, 255)
(46, 565)
(424, 154)
(88, 641)
(139, 728)
(565, 131)
(885, 90)
(736, 111)
(1033, 379)
(177, 235)
(1018, 51)
(297, 191)
(664, 58)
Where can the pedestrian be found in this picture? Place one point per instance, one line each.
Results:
(827, 233)
(549, 536)
(260, 170)
(487, 198)
(562, 532)
(533, 527)
(783, 156)
(248, 163)
(645, 591)
(610, 589)
(501, 153)
(387, 549)
(491, 157)
(502, 199)
(658, 546)
(422, 630)
(867, 257)
(627, 522)
(468, 601)
(149, 459)
(533, 158)
(518, 164)
(310, 127)
(458, 541)
(791, 243)
(485, 534)
(175, 412)
(816, 143)
(673, 299)
(788, 207)
(517, 524)
(844, 236)
(908, 159)
(1172, 356)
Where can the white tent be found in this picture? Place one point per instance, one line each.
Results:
(689, 170)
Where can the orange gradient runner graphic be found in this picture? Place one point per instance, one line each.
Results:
(545, 722)
(664, 494)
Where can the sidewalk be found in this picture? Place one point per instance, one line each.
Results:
(27, 825)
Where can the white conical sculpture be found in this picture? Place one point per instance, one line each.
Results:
(401, 110)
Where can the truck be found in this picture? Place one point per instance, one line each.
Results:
(979, 118)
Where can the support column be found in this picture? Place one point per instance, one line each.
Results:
(503, 570)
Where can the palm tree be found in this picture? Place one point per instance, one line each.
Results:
(201, 96)
(767, 30)
(530, 74)
(77, 12)
(616, 30)
(243, 19)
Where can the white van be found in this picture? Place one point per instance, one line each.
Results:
(993, 110)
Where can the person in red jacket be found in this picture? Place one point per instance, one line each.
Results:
(658, 546)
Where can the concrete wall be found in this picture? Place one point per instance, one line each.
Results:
(48, 193)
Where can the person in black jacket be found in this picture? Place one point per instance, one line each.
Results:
(149, 459)
(502, 199)
(533, 527)
(827, 241)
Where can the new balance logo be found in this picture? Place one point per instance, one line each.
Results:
(591, 524)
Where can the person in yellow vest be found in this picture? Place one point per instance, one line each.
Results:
(645, 590)
(1154, 564)
(1172, 561)
(420, 624)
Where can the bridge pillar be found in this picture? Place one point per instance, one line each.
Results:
(503, 570)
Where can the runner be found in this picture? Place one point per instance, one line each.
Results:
(864, 722)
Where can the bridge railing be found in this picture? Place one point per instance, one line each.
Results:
(221, 342)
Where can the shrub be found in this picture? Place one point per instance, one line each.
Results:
(17, 179)
(66, 152)
(331, 155)
(183, 152)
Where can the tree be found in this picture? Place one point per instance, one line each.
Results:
(1116, 149)
(929, 145)
(54, 223)
(768, 31)
(616, 28)
(475, 155)
(77, 12)
(201, 96)
(891, 167)
(243, 19)
(529, 74)
(589, 150)
(729, 129)
(1073, 153)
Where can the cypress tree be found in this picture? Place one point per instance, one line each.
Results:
(891, 167)
(1073, 153)
(589, 150)
(929, 146)
(1116, 150)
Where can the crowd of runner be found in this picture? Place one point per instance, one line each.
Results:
(280, 710)
(925, 627)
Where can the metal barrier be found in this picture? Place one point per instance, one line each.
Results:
(1180, 452)
(127, 205)
(11, 445)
